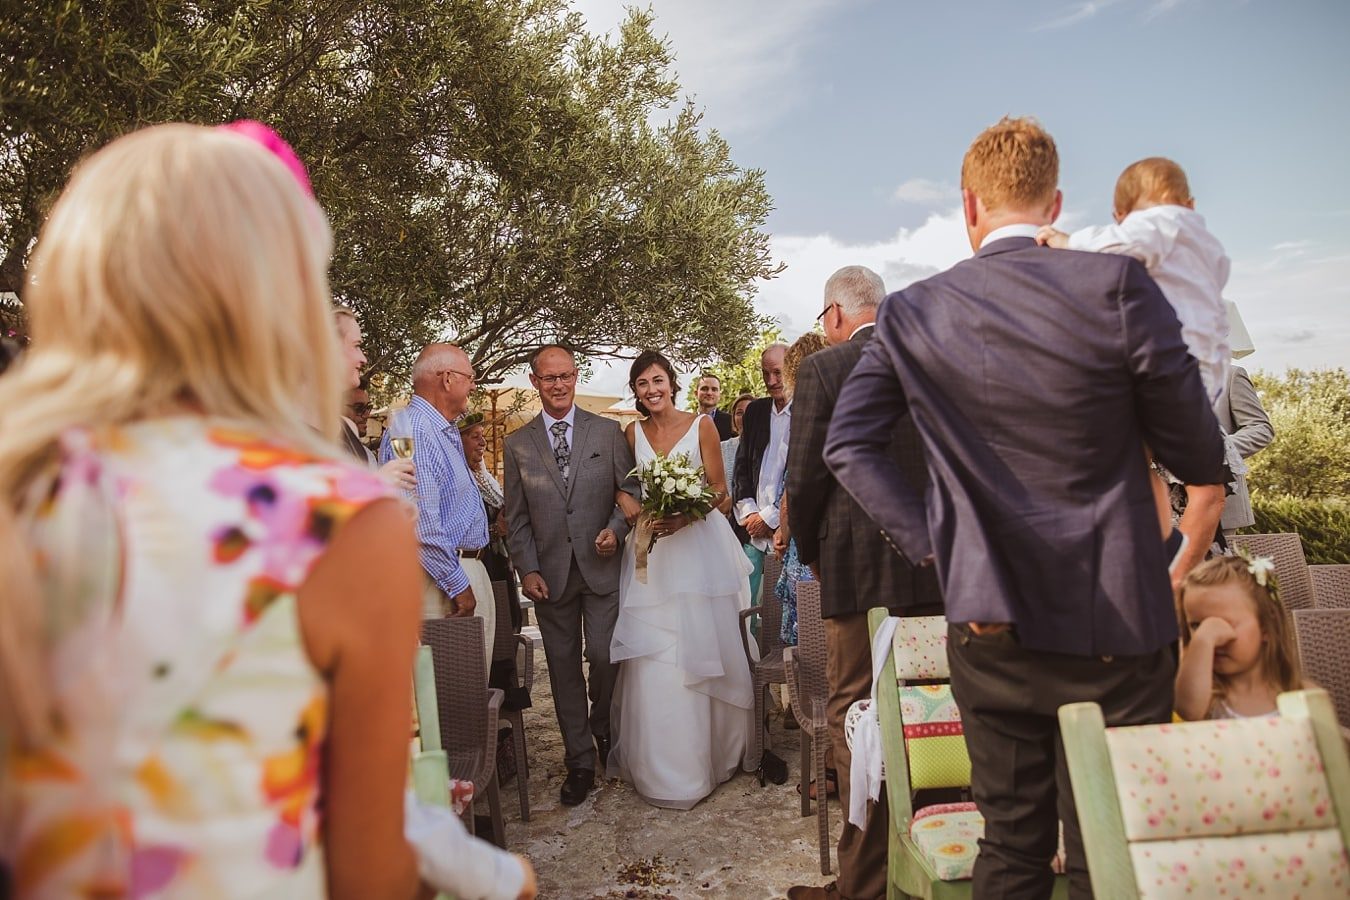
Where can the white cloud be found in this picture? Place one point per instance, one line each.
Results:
(741, 61)
(795, 297)
(923, 192)
(1295, 301)
(1080, 12)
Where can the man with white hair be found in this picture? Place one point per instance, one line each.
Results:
(857, 567)
(756, 483)
(452, 526)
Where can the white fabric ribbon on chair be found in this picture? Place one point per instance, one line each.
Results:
(868, 756)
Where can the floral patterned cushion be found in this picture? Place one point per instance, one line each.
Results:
(1221, 777)
(920, 648)
(1298, 864)
(947, 835)
(934, 740)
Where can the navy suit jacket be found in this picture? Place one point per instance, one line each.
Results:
(1035, 377)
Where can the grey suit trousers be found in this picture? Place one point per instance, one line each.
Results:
(564, 620)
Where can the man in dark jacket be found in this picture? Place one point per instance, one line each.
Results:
(857, 567)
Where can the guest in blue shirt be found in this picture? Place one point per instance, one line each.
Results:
(452, 526)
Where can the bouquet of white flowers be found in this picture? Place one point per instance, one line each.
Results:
(671, 486)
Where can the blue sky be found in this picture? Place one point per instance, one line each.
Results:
(859, 112)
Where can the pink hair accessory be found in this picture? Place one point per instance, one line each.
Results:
(276, 145)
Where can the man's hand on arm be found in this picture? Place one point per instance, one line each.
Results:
(534, 587)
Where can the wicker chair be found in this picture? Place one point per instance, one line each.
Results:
(507, 645)
(810, 692)
(468, 709)
(766, 669)
(1331, 586)
(1323, 636)
(1291, 567)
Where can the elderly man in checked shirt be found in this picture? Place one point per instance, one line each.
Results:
(452, 526)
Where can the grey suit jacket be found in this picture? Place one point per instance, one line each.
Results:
(551, 523)
(1247, 429)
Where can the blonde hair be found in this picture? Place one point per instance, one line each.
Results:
(801, 348)
(1279, 660)
(1156, 180)
(1012, 164)
(183, 267)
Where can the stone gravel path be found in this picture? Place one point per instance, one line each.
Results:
(742, 842)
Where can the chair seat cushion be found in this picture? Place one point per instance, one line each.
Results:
(1295, 864)
(947, 836)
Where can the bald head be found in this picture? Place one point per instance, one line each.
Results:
(432, 362)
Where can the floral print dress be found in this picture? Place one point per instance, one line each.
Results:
(191, 722)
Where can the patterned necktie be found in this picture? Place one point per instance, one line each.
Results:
(562, 454)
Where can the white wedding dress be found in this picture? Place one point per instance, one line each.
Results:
(684, 701)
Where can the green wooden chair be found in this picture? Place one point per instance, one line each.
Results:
(1225, 808)
(932, 848)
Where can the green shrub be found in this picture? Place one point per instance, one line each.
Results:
(1322, 525)
(1310, 456)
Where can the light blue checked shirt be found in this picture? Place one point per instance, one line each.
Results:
(450, 513)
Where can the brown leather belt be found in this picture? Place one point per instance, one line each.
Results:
(473, 554)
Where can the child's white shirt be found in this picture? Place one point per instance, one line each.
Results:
(1189, 264)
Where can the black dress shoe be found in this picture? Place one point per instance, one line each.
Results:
(602, 749)
(578, 784)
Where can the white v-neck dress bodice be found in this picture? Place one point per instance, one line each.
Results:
(684, 701)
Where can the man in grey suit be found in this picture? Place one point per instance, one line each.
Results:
(563, 471)
(1247, 430)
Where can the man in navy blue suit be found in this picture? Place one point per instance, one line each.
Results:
(1035, 378)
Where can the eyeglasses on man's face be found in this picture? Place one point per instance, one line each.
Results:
(467, 376)
(827, 308)
(551, 380)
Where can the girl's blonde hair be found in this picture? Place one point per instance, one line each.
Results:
(1279, 660)
(182, 269)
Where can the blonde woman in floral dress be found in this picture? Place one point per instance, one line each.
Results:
(207, 618)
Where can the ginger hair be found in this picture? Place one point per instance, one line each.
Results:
(1012, 165)
(1155, 181)
(804, 346)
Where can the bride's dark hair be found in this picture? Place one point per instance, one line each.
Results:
(645, 361)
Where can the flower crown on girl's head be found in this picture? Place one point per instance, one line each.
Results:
(1261, 568)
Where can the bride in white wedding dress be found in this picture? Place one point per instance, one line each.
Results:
(683, 704)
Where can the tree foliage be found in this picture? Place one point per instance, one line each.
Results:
(742, 376)
(1310, 456)
(490, 168)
